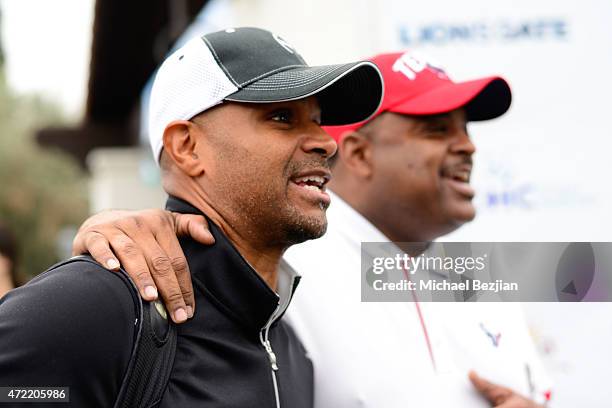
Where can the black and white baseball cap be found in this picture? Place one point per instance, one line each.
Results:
(256, 66)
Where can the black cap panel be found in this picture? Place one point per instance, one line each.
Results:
(347, 93)
(247, 54)
(353, 98)
(493, 101)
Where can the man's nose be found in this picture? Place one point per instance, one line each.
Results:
(319, 142)
(462, 144)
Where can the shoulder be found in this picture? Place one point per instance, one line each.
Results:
(74, 324)
(73, 292)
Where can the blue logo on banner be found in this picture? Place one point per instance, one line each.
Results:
(538, 29)
(512, 196)
(505, 190)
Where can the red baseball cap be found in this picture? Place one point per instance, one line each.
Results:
(414, 86)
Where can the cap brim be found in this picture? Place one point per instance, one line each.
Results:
(483, 99)
(346, 93)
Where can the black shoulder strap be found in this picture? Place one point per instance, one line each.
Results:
(152, 358)
(153, 352)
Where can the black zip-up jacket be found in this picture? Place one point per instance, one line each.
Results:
(74, 327)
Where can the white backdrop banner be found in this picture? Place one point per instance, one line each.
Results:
(541, 170)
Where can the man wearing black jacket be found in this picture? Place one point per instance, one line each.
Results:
(234, 122)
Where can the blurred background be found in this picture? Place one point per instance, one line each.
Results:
(75, 74)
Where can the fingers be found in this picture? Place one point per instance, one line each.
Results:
(170, 245)
(495, 394)
(135, 264)
(99, 249)
(90, 239)
(146, 244)
(517, 401)
(150, 268)
(194, 226)
(130, 238)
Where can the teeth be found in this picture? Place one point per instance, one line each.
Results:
(462, 176)
(313, 188)
(315, 179)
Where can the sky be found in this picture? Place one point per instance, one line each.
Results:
(47, 49)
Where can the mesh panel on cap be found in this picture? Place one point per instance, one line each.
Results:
(187, 83)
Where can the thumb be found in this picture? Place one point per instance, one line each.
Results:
(496, 394)
(194, 226)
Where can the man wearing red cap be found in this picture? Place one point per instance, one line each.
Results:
(402, 176)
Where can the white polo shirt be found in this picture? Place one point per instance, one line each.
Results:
(399, 354)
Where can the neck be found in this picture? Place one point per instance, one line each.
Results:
(5, 286)
(6, 282)
(264, 259)
(398, 229)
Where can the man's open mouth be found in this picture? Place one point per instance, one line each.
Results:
(458, 177)
(312, 183)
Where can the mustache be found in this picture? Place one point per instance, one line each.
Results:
(462, 167)
(463, 162)
(295, 167)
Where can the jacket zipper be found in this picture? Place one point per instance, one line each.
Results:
(265, 341)
(263, 337)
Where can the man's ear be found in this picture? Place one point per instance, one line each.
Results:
(355, 153)
(180, 142)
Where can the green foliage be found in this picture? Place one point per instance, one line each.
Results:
(41, 191)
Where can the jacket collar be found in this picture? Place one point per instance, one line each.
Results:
(228, 280)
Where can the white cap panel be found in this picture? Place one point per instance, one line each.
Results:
(187, 83)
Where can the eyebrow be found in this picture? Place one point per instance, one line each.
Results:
(291, 105)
